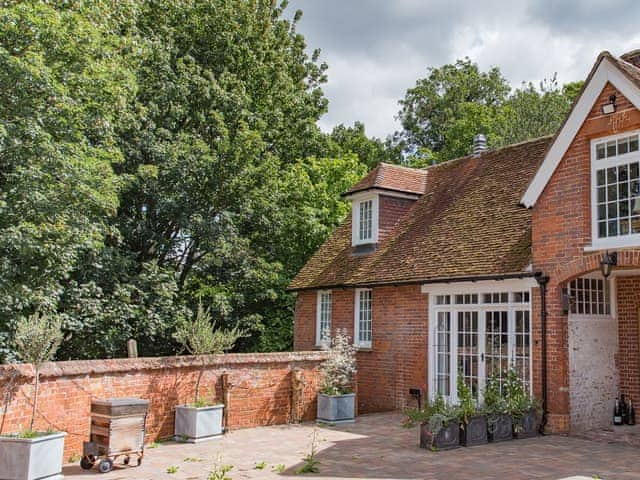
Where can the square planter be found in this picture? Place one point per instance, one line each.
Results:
(446, 439)
(198, 424)
(527, 427)
(336, 408)
(474, 432)
(32, 458)
(500, 428)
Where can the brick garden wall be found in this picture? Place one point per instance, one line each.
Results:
(397, 359)
(628, 358)
(261, 389)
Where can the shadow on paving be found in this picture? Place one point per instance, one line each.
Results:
(383, 449)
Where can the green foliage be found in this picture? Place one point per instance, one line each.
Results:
(494, 401)
(260, 465)
(466, 403)
(445, 110)
(435, 415)
(519, 401)
(339, 369)
(36, 341)
(172, 469)
(279, 468)
(220, 471)
(201, 337)
(310, 464)
(370, 151)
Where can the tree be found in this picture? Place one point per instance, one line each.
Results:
(201, 337)
(444, 98)
(36, 341)
(444, 111)
(370, 151)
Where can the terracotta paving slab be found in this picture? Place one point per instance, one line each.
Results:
(376, 446)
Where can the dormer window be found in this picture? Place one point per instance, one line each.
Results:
(615, 177)
(365, 220)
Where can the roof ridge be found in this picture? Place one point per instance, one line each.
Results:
(488, 152)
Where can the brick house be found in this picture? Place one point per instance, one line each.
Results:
(494, 259)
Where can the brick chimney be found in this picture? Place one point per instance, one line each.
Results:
(632, 57)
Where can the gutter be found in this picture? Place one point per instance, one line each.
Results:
(542, 281)
(471, 278)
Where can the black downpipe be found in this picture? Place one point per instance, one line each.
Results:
(542, 281)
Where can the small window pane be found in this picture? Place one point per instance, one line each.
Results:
(602, 195)
(612, 176)
(611, 149)
(600, 151)
(623, 146)
(633, 144)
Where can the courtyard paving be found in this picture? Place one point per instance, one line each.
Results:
(376, 446)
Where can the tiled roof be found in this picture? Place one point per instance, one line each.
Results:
(392, 177)
(468, 223)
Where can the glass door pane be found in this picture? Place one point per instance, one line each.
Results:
(522, 346)
(468, 354)
(496, 343)
(443, 354)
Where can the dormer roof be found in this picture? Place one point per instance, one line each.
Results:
(394, 178)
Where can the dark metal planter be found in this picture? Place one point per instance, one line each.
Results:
(527, 427)
(474, 432)
(446, 439)
(500, 428)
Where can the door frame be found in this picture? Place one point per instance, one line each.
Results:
(480, 287)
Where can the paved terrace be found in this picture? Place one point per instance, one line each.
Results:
(378, 447)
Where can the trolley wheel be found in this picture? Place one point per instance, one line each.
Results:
(105, 465)
(86, 463)
(126, 460)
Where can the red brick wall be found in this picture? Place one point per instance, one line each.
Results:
(561, 229)
(628, 359)
(397, 359)
(390, 210)
(259, 391)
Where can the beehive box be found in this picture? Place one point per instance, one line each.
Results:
(118, 425)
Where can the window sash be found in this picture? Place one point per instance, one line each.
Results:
(365, 225)
(323, 317)
(364, 318)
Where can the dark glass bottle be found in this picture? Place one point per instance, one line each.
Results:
(631, 414)
(617, 413)
(624, 413)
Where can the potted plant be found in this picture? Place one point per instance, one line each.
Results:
(522, 406)
(201, 419)
(439, 424)
(336, 400)
(499, 421)
(33, 454)
(473, 422)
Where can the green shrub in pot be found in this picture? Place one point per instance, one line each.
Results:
(439, 424)
(473, 420)
(32, 454)
(521, 405)
(201, 419)
(499, 421)
(336, 400)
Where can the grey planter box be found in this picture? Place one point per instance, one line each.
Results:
(500, 428)
(527, 427)
(336, 408)
(32, 458)
(198, 424)
(474, 432)
(446, 439)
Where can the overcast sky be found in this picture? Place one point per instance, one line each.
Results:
(376, 49)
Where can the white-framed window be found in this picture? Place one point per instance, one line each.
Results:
(476, 330)
(323, 317)
(364, 220)
(615, 190)
(589, 296)
(363, 322)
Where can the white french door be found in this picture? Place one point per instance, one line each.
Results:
(475, 335)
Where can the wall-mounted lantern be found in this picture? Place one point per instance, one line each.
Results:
(610, 107)
(609, 260)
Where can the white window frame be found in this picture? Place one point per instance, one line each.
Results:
(462, 288)
(319, 337)
(356, 319)
(619, 241)
(357, 200)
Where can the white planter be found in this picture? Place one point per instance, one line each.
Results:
(198, 424)
(32, 458)
(336, 408)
